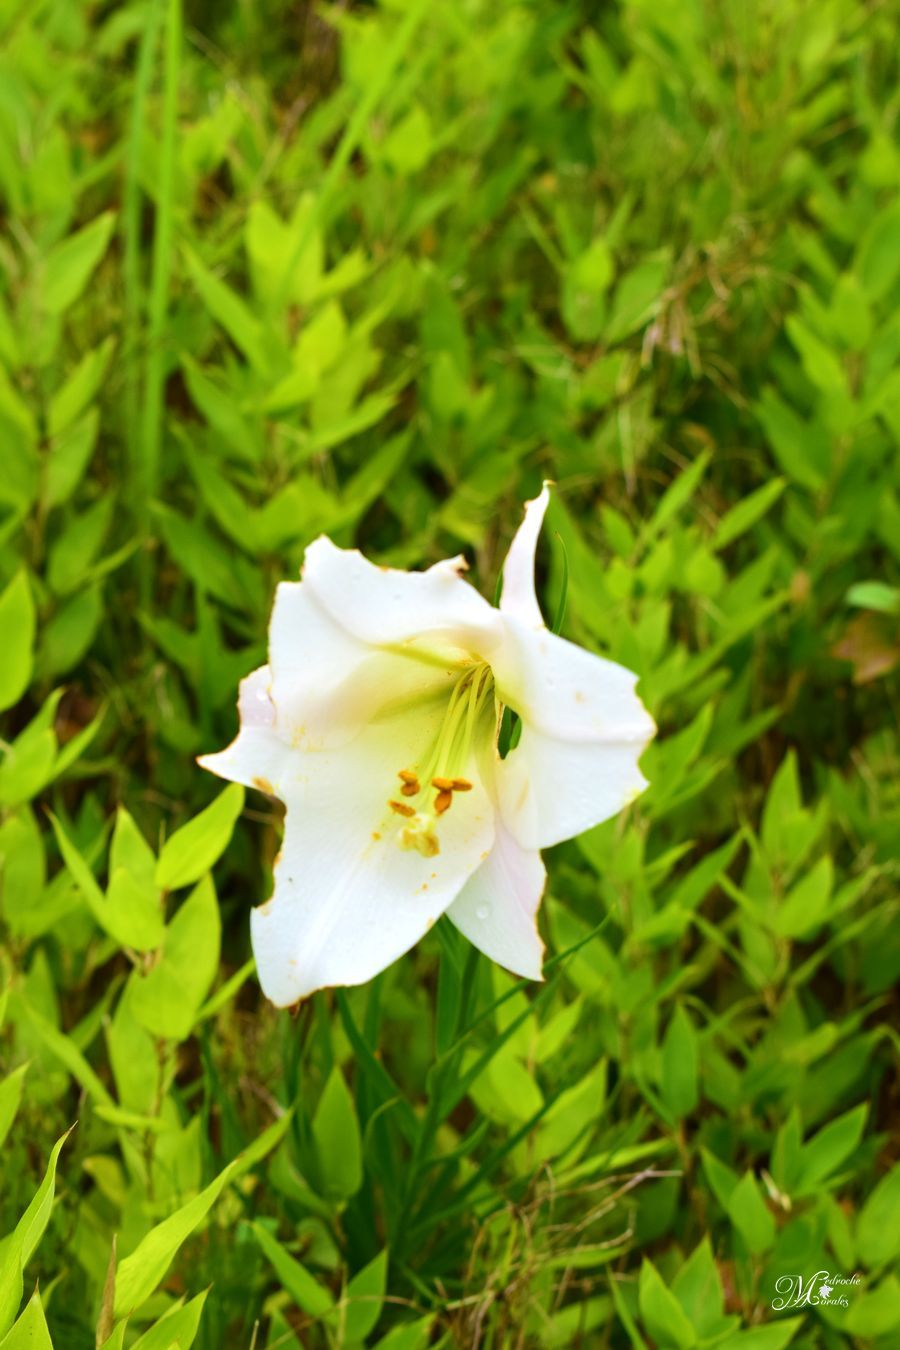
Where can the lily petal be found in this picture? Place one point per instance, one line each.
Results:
(550, 790)
(348, 898)
(327, 683)
(497, 908)
(257, 757)
(584, 730)
(517, 596)
(387, 607)
(565, 691)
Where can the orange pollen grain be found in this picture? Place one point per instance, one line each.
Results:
(443, 801)
(402, 809)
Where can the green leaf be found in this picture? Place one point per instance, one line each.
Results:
(71, 400)
(10, 1097)
(680, 1064)
(822, 365)
(585, 285)
(878, 260)
(228, 309)
(168, 998)
(678, 494)
(831, 1146)
(748, 1213)
(128, 913)
(192, 850)
(363, 1299)
(30, 1331)
(178, 1327)
(877, 1311)
(795, 443)
(637, 297)
(408, 1336)
(17, 624)
(18, 1250)
(77, 546)
(806, 905)
(408, 145)
(69, 265)
(747, 512)
(772, 1337)
(68, 1054)
(661, 1312)
(877, 1230)
(307, 1293)
(69, 457)
(130, 852)
(875, 595)
(698, 1288)
(140, 1273)
(337, 1137)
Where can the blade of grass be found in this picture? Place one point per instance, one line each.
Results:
(131, 263)
(154, 379)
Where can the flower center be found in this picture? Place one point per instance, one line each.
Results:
(428, 793)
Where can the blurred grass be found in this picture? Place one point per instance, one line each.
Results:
(376, 270)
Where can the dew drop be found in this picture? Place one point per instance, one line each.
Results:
(482, 912)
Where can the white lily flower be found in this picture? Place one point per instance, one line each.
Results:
(376, 722)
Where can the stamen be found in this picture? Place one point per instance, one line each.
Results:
(470, 697)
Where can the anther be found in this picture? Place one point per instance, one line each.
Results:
(443, 784)
(462, 785)
(401, 808)
(410, 790)
(443, 801)
(407, 776)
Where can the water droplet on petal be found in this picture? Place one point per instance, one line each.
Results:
(482, 912)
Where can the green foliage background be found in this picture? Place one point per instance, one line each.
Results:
(271, 269)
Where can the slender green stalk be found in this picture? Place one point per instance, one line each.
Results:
(157, 310)
(351, 137)
(131, 221)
